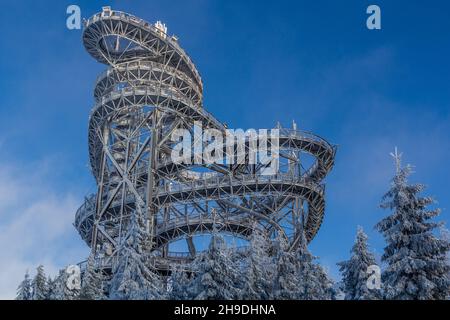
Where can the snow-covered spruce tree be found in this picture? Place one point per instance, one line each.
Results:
(327, 285)
(92, 283)
(216, 274)
(445, 235)
(51, 287)
(57, 290)
(417, 267)
(354, 271)
(312, 282)
(179, 283)
(133, 278)
(24, 291)
(60, 290)
(285, 285)
(260, 268)
(338, 291)
(39, 285)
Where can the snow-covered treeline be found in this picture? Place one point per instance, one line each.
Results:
(415, 264)
(269, 271)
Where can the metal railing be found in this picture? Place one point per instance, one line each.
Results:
(138, 22)
(148, 65)
(87, 209)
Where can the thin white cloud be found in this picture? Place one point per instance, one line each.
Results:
(35, 224)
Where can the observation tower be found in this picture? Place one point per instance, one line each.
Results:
(151, 88)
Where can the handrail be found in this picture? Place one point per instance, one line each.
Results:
(139, 22)
(285, 133)
(142, 64)
(224, 181)
(167, 92)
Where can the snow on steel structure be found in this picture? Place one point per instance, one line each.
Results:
(150, 89)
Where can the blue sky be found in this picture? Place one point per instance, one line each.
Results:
(312, 61)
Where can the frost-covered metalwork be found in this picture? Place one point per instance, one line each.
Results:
(150, 89)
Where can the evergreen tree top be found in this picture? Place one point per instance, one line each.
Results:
(417, 267)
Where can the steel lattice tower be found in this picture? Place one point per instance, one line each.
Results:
(151, 88)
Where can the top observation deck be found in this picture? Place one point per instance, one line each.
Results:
(114, 37)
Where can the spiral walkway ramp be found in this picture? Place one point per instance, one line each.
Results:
(150, 89)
